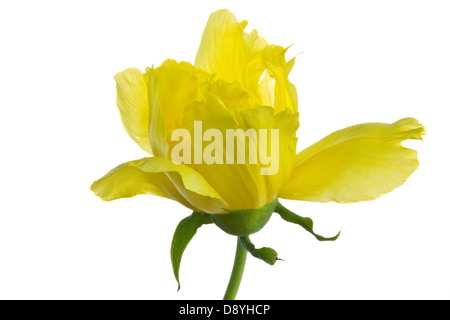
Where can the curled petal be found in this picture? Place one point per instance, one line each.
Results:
(285, 94)
(354, 164)
(172, 88)
(230, 53)
(132, 100)
(160, 177)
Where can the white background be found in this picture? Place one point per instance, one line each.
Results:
(60, 130)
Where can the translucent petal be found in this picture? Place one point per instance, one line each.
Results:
(230, 53)
(236, 56)
(354, 164)
(132, 101)
(171, 88)
(285, 95)
(160, 177)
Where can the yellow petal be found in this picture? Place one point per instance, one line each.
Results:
(171, 88)
(354, 164)
(231, 94)
(287, 123)
(133, 105)
(157, 128)
(232, 54)
(244, 186)
(160, 177)
(236, 56)
(266, 90)
(285, 92)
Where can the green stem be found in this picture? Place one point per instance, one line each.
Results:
(236, 273)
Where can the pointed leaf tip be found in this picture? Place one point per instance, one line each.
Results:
(184, 233)
(304, 222)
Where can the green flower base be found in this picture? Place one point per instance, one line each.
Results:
(244, 222)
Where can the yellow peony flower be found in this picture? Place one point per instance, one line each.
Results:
(240, 82)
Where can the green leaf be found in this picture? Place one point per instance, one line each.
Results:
(184, 232)
(305, 222)
(266, 254)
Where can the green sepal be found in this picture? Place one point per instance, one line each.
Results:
(266, 254)
(243, 222)
(305, 222)
(184, 232)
